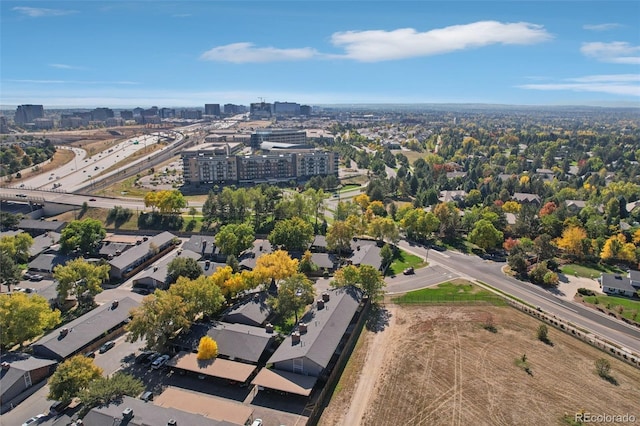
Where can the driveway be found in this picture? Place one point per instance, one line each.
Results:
(569, 286)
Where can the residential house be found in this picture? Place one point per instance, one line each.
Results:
(18, 373)
(43, 242)
(575, 206)
(251, 310)
(155, 276)
(46, 262)
(206, 246)
(248, 259)
(135, 412)
(86, 332)
(365, 252)
(620, 285)
(319, 244)
(310, 349)
(142, 254)
(453, 196)
(236, 342)
(526, 198)
(38, 227)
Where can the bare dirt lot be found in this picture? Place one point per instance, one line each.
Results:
(442, 367)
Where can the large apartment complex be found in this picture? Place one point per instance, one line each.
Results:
(204, 164)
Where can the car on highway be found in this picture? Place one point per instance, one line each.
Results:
(159, 362)
(108, 345)
(34, 420)
(92, 199)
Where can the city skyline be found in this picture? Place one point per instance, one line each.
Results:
(126, 54)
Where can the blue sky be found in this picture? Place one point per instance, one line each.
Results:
(187, 53)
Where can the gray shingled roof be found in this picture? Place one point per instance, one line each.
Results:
(158, 271)
(617, 282)
(325, 328)
(19, 364)
(145, 413)
(43, 242)
(195, 244)
(109, 248)
(526, 197)
(48, 261)
(41, 225)
(368, 254)
(248, 258)
(254, 308)
(85, 329)
(140, 251)
(236, 341)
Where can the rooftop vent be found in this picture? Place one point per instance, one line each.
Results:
(302, 328)
(325, 297)
(172, 422)
(320, 303)
(114, 304)
(295, 337)
(127, 412)
(269, 327)
(64, 332)
(5, 365)
(145, 238)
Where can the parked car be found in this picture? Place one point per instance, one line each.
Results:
(58, 407)
(91, 354)
(144, 356)
(159, 362)
(409, 271)
(36, 277)
(147, 396)
(34, 420)
(108, 345)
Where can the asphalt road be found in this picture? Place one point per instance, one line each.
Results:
(474, 268)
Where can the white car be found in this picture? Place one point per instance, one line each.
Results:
(34, 420)
(159, 362)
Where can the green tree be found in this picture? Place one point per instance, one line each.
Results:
(80, 278)
(306, 264)
(199, 296)
(158, 319)
(71, 377)
(232, 261)
(292, 234)
(603, 367)
(365, 277)
(384, 228)
(485, 235)
(316, 203)
(543, 333)
(23, 317)
(17, 246)
(84, 235)
(387, 255)
(183, 267)
(294, 293)
(10, 272)
(105, 390)
(339, 237)
(234, 239)
(9, 220)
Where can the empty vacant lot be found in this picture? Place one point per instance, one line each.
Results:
(443, 367)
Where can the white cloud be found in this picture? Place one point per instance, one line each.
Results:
(378, 45)
(240, 53)
(66, 67)
(38, 12)
(616, 84)
(74, 82)
(602, 27)
(616, 52)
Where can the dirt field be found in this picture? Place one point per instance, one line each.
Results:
(442, 367)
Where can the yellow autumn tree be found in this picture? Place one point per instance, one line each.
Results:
(277, 265)
(511, 207)
(617, 247)
(636, 237)
(571, 240)
(207, 349)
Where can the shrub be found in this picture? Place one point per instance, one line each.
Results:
(603, 367)
(543, 333)
(586, 292)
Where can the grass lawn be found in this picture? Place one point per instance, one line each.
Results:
(126, 186)
(631, 308)
(590, 270)
(404, 260)
(349, 187)
(451, 291)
